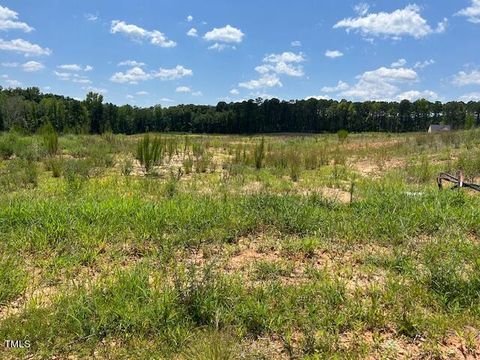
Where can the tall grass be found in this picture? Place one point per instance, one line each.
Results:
(149, 152)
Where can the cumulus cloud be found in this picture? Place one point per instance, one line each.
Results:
(413, 95)
(341, 86)
(463, 78)
(266, 81)
(401, 22)
(472, 13)
(189, 18)
(333, 54)
(192, 32)
(137, 74)
(91, 17)
(423, 64)
(473, 96)
(361, 9)
(138, 34)
(74, 77)
(9, 21)
(318, 97)
(380, 84)
(286, 63)
(227, 34)
(221, 47)
(32, 66)
(23, 47)
(399, 63)
(132, 63)
(75, 67)
(296, 43)
(183, 89)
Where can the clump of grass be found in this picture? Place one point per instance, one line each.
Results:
(259, 154)
(342, 135)
(211, 346)
(19, 173)
(7, 145)
(188, 164)
(126, 166)
(149, 152)
(13, 279)
(76, 172)
(294, 165)
(55, 165)
(50, 138)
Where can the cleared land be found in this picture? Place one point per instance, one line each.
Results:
(303, 247)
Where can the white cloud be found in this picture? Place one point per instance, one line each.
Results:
(91, 17)
(172, 74)
(286, 57)
(380, 84)
(266, 81)
(361, 9)
(227, 34)
(296, 43)
(473, 96)
(413, 95)
(132, 63)
(166, 100)
(95, 89)
(472, 13)
(142, 93)
(132, 76)
(341, 86)
(137, 33)
(192, 32)
(75, 67)
(130, 97)
(221, 47)
(318, 97)
(197, 93)
(32, 66)
(10, 64)
(396, 24)
(463, 78)
(13, 83)
(234, 92)
(286, 63)
(399, 63)
(189, 18)
(68, 76)
(183, 89)
(423, 64)
(333, 54)
(8, 21)
(137, 74)
(24, 47)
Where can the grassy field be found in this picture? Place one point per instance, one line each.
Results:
(234, 247)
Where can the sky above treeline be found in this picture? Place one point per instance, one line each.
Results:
(173, 52)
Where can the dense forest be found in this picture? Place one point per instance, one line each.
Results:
(28, 109)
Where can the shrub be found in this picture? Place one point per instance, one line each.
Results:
(7, 145)
(149, 152)
(342, 135)
(50, 139)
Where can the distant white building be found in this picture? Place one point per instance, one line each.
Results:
(434, 128)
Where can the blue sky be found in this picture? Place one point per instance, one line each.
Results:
(171, 52)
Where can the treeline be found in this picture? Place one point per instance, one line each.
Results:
(28, 109)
